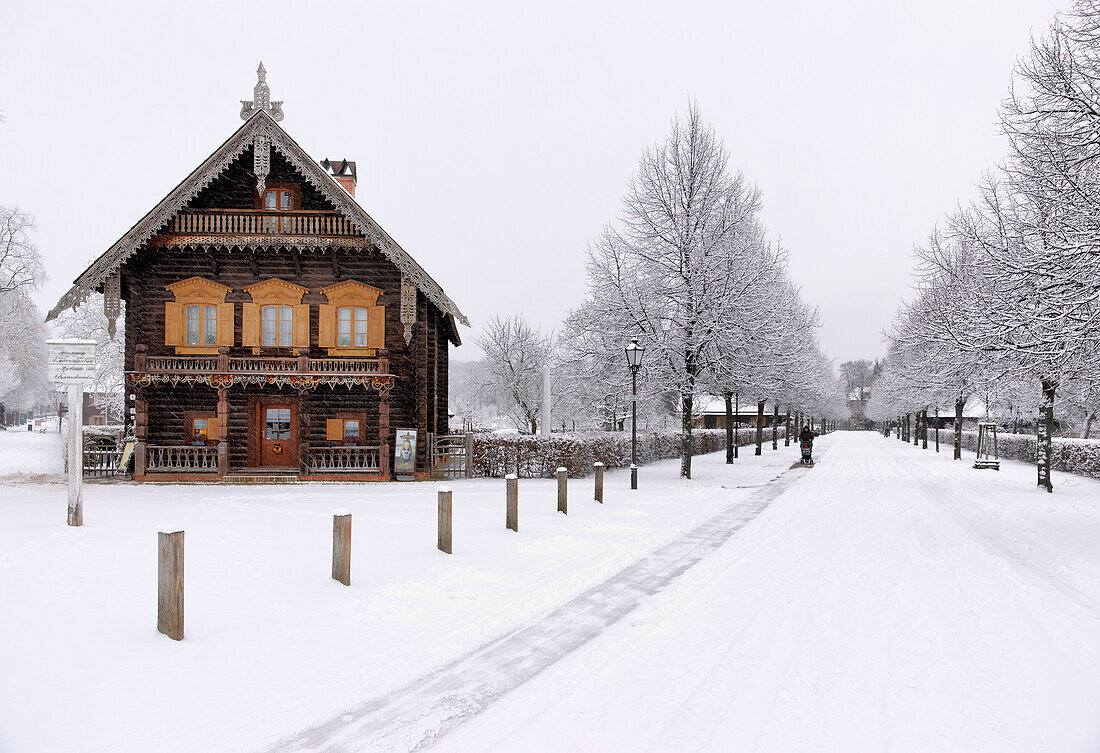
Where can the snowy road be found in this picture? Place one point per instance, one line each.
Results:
(888, 599)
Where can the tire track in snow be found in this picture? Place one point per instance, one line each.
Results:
(417, 715)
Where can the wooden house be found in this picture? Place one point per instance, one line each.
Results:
(272, 327)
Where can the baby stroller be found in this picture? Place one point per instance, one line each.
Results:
(807, 452)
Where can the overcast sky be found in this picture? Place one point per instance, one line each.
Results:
(493, 140)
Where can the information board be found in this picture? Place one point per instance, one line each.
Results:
(71, 361)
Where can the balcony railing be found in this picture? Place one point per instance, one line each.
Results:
(343, 459)
(267, 365)
(249, 222)
(181, 459)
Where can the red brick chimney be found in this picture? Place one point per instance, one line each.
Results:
(343, 172)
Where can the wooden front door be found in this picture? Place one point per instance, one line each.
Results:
(277, 428)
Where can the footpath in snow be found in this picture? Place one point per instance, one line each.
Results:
(273, 645)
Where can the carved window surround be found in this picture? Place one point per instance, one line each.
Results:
(274, 292)
(351, 293)
(197, 291)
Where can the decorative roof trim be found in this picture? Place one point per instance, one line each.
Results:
(262, 129)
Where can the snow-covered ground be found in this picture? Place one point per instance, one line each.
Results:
(887, 599)
(273, 644)
(25, 455)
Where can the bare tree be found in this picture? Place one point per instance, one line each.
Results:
(515, 356)
(20, 263)
(669, 270)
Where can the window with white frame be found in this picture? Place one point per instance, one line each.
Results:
(202, 324)
(278, 326)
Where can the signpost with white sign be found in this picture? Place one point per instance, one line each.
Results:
(72, 363)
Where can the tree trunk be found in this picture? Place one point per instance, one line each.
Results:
(759, 425)
(775, 426)
(729, 427)
(1088, 425)
(685, 437)
(924, 429)
(959, 405)
(937, 428)
(1046, 431)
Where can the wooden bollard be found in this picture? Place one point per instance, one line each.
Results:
(170, 584)
(341, 547)
(511, 521)
(444, 538)
(599, 482)
(563, 491)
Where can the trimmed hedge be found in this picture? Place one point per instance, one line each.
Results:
(1080, 456)
(496, 455)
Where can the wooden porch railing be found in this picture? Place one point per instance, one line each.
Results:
(259, 365)
(343, 459)
(181, 458)
(255, 222)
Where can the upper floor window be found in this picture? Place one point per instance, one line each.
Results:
(202, 324)
(276, 318)
(352, 323)
(351, 327)
(279, 199)
(199, 320)
(278, 326)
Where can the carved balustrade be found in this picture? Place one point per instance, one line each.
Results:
(263, 365)
(249, 222)
(343, 459)
(181, 458)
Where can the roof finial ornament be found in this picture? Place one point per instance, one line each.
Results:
(261, 99)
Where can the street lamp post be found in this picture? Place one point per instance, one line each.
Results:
(634, 361)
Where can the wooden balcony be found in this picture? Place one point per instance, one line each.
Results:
(257, 222)
(260, 365)
(223, 370)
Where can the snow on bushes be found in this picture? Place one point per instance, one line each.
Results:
(1080, 456)
(496, 455)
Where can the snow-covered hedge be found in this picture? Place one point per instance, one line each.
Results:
(495, 455)
(1080, 456)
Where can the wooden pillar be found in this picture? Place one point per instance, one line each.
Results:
(141, 430)
(223, 430)
(305, 465)
(443, 537)
(511, 515)
(170, 584)
(341, 547)
(599, 482)
(385, 452)
(563, 491)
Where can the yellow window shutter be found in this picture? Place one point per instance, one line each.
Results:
(301, 326)
(326, 326)
(334, 429)
(376, 327)
(250, 325)
(173, 323)
(225, 324)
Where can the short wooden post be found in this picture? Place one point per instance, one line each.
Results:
(599, 482)
(170, 584)
(444, 538)
(341, 547)
(563, 492)
(511, 521)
